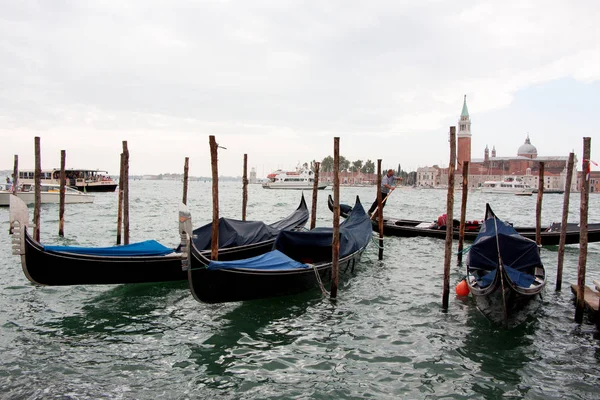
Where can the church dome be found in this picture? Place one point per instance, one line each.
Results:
(527, 149)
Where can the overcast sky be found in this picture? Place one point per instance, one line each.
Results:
(278, 80)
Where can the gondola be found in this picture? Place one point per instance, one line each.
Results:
(550, 235)
(505, 273)
(298, 261)
(141, 262)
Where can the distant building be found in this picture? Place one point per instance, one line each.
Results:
(493, 168)
(252, 179)
(429, 176)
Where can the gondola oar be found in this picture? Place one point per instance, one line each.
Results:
(382, 201)
(501, 271)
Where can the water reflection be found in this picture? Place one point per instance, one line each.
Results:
(123, 309)
(500, 355)
(247, 331)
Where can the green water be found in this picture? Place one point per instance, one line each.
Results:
(386, 337)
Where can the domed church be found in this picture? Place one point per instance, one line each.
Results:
(525, 164)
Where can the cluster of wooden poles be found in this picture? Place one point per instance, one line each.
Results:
(579, 289)
(336, 206)
(123, 210)
(123, 207)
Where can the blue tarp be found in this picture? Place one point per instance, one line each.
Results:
(314, 246)
(519, 255)
(234, 233)
(310, 246)
(147, 248)
(518, 278)
(273, 260)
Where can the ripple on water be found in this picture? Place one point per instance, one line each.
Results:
(385, 337)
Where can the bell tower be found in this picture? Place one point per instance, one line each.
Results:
(463, 145)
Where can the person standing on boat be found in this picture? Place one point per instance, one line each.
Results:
(388, 183)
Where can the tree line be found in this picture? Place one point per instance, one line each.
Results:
(367, 167)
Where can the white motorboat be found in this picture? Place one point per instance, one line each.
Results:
(49, 194)
(508, 185)
(88, 180)
(299, 179)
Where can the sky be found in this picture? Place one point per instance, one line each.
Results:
(278, 80)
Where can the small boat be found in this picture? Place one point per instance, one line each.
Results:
(504, 271)
(508, 185)
(85, 180)
(49, 193)
(141, 262)
(550, 235)
(302, 178)
(299, 261)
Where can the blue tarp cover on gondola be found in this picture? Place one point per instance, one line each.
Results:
(309, 246)
(146, 248)
(519, 255)
(314, 246)
(233, 232)
(273, 260)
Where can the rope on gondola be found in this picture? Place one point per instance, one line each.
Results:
(464, 251)
(319, 281)
(501, 272)
(376, 239)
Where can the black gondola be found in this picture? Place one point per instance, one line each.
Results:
(299, 261)
(550, 235)
(142, 262)
(504, 271)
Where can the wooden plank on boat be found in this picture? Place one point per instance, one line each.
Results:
(590, 297)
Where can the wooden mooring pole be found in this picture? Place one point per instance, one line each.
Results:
(583, 229)
(120, 201)
(214, 248)
(335, 242)
(463, 210)
(313, 212)
(380, 209)
(125, 193)
(63, 182)
(245, 188)
(186, 168)
(538, 207)
(449, 218)
(563, 224)
(15, 175)
(37, 176)
(15, 181)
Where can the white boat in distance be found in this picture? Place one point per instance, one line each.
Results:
(85, 180)
(299, 179)
(49, 194)
(509, 185)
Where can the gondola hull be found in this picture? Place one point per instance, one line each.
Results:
(415, 228)
(505, 273)
(48, 268)
(518, 305)
(218, 286)
(62, 269)
(299, 261)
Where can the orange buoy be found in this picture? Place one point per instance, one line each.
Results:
(462, 289)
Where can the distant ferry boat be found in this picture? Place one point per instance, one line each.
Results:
(509, 185)
(49, 193)
(85, 180)
(299, 179)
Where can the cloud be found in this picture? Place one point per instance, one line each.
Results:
(278, 79)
